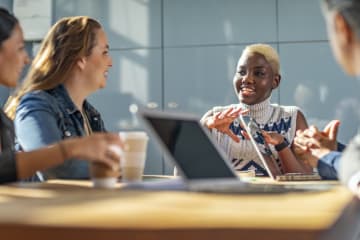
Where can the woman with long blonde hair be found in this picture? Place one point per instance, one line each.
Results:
(21, 165)
(50, 105)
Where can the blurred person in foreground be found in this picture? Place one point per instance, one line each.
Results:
(320, 148)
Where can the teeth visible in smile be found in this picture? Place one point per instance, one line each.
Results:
(248, 90)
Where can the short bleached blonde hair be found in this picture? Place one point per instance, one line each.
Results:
(269, 53)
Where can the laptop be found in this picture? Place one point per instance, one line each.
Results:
(271, 164)
(201, 164)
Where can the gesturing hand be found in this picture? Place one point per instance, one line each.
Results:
(273, 138)
(316, 142)
(222, 120)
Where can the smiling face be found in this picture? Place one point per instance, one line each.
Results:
(254, 79)
(98, 63)
(13, 58)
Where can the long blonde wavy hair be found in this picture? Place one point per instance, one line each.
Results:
(67, 41)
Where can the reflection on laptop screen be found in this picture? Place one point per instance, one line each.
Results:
(191, 148)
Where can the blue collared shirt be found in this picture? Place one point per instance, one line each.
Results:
(328, 165)
(46, 117)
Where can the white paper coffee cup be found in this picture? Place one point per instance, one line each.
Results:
(133, 157)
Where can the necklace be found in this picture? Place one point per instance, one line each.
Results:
(87, 126)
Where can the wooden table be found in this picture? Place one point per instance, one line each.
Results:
(73, 210)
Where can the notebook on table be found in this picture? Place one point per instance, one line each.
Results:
(200, 162)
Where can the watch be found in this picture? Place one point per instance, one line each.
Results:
(282, 145)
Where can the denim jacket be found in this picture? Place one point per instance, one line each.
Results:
(46, 117)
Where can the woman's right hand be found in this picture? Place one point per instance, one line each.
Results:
(222, 120)
(98, 147)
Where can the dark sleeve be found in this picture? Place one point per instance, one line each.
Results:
(350, 161)
(340, 147)
(8, 171)
(328, 165)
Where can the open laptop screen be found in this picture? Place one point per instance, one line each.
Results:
(190, 147)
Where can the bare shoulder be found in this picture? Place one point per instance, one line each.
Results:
(301, 122)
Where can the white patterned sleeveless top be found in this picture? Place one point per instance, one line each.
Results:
(270, 117)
